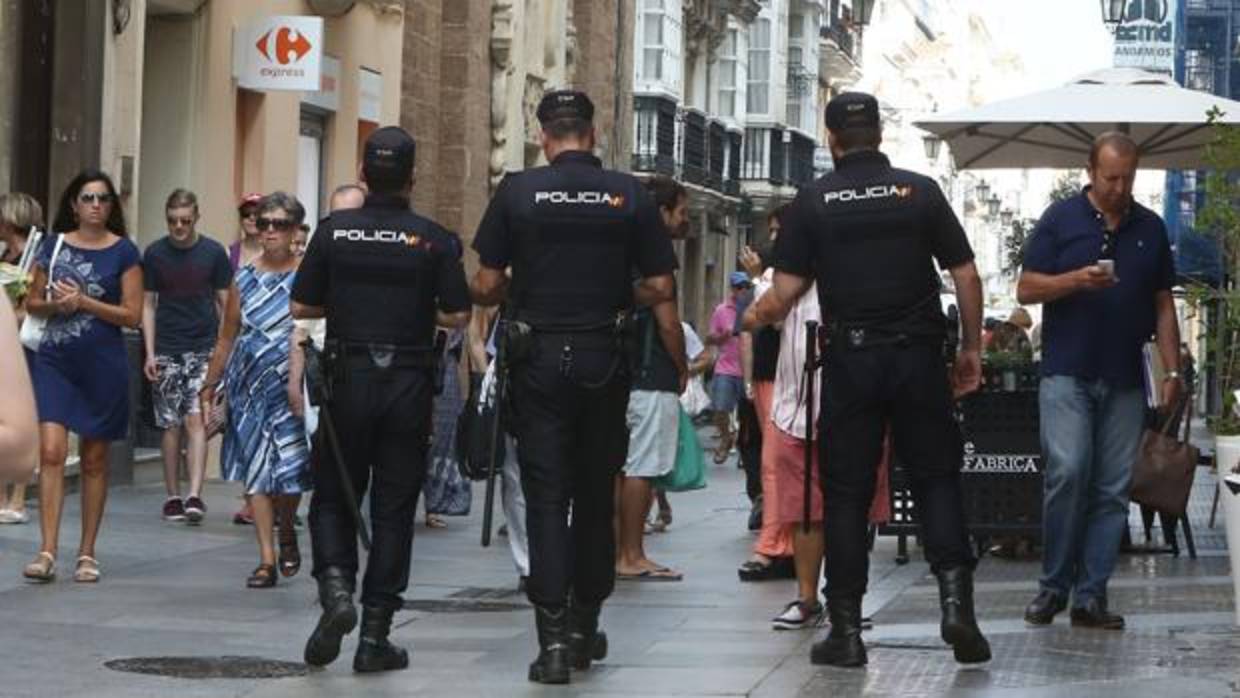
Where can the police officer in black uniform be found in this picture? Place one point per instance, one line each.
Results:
(573, 234)
(870, 235)
(384, 277)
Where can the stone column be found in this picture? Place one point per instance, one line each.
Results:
(603, 67)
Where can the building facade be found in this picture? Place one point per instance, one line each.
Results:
(726, 101)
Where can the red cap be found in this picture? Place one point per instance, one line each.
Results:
(248, 200)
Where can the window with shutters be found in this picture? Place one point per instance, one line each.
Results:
(758, 99)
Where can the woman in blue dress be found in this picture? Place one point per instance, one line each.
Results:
(264, 442)
(89, 292)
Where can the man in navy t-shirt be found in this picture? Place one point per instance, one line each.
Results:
(1101, 265)
(186, 278)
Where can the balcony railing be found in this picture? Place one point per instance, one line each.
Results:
(685, 144)
(654, 148)
(778, 156)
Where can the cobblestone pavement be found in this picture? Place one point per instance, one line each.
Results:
(178, 593)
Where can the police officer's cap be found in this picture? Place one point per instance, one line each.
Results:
(852, 110)
(565, 104)
(390, 150)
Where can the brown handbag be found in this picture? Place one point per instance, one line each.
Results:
(1162, 477)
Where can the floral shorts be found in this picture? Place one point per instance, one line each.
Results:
(175, 393)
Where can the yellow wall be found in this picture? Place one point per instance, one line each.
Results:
(205, 132)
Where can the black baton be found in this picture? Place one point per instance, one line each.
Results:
(497, 432)
(811, 363)
(321, 397)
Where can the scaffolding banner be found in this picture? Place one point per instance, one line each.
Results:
(1145, 37)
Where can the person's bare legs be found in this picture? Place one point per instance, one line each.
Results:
(195, 452)
(723, 427)
(635, 499)
(264, 519)
(17, 500)
(53, 451)
(94, 485)
(807, 549)
(170, 448)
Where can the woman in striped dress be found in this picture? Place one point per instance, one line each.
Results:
(264, 442)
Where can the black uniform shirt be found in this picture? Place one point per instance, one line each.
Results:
(573, 232)
(870, 234)
(382, 271)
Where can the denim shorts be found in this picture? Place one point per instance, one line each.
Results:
(726, 392)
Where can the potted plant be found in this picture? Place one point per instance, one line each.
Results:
(1219, 219)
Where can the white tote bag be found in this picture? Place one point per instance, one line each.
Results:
(34, 326)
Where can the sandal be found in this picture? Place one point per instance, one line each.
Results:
(42, 569)
(435, 521)
(263, 577)
(87, 570)
(290, 554)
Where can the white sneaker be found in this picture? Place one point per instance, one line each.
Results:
(798, 615)
(8, 516)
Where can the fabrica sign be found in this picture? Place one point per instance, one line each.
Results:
(1145, 37)
(279, 53)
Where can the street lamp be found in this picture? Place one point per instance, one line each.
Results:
(932, 143)
(992, 205)
(1112, 13)
(1005, 216)
(983, 191)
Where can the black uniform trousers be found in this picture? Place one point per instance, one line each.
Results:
(382, 418)
(571, 442)
(749, 443)
(904, 385)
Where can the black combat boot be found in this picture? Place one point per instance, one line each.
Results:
(552, 664)
(842, 646)
(585, 641)
(959, 626)
(338, 619)
(374, 652)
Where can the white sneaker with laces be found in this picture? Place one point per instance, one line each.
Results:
(798, 615)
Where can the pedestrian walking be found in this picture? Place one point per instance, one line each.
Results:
(653, 415)
(264, 443)
(384, 277)
(1101, 265)
(19, 213)
(88, 284)
(884, 363)
(771, 557)
(446, 492)
(727, 385)
(186, 280)
(573, 234)
(248, 244)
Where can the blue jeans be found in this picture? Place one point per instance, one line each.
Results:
(1090, 436)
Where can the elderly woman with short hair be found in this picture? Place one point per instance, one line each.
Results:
(264, 442)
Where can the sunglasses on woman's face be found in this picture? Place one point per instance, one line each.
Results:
(281, 224)
(92, 197)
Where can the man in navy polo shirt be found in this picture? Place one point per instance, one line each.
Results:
(1101, 264)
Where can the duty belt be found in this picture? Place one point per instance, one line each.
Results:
(863, 338)
(384, 354)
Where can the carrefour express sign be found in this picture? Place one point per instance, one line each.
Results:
(279, 53)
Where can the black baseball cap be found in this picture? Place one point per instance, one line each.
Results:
(390, 151)
(852, 110)
(565, 104)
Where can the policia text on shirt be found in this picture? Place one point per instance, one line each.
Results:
(572, 234)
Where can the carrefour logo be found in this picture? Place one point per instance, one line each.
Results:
(283, 45)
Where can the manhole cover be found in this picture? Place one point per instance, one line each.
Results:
(209, 667)
(463, 606)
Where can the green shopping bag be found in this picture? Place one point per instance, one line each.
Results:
(689, 472)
